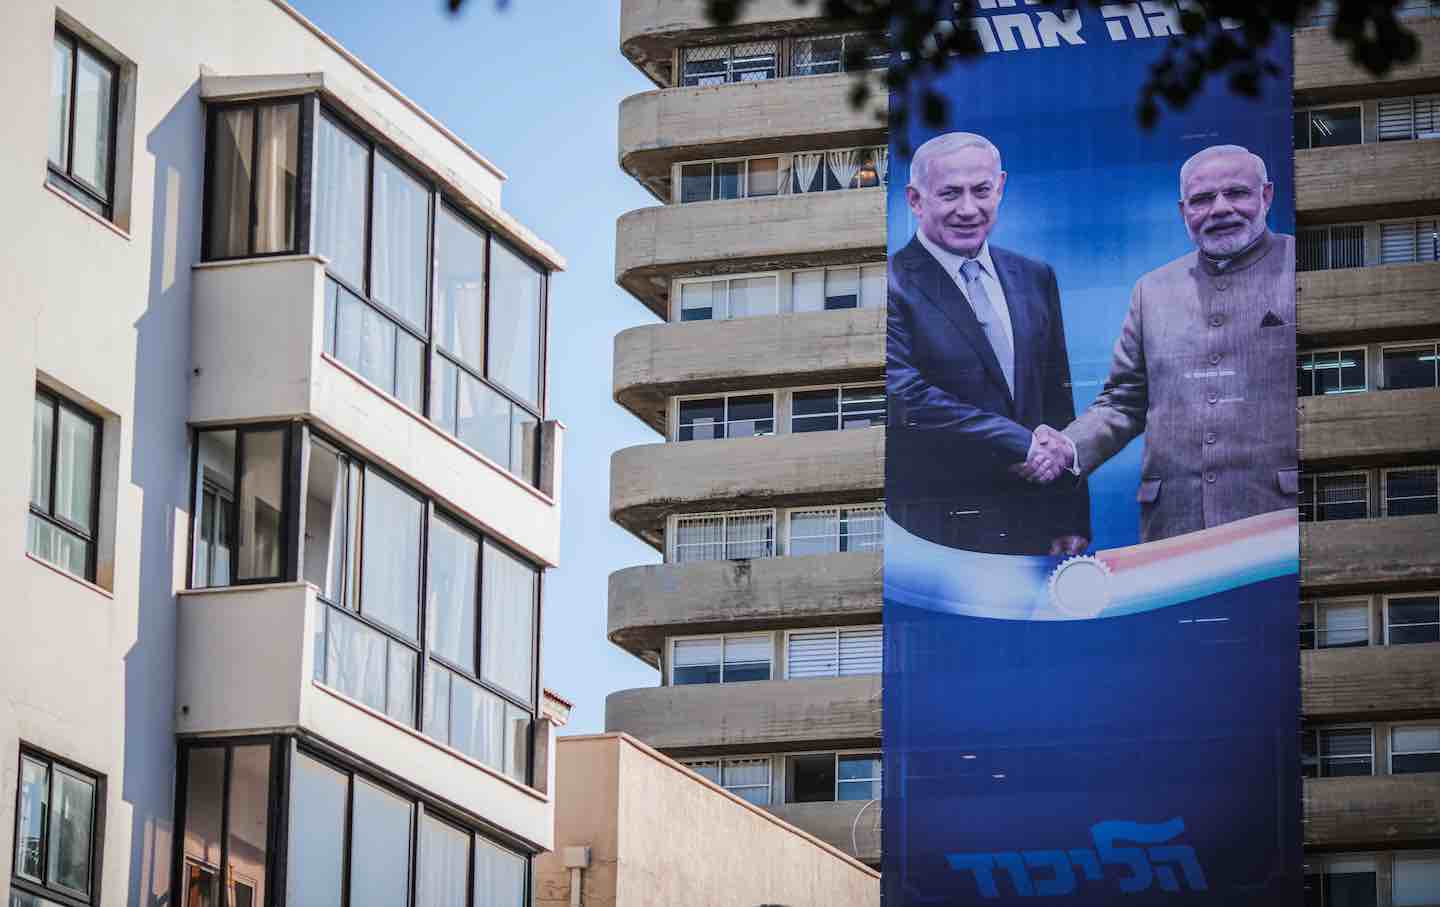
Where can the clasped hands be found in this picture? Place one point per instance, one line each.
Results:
(1050, 454)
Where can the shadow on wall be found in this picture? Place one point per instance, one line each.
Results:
(160, 461)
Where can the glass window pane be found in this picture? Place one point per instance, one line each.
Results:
(515, 290)
(94, 121)
(817, 56)
(507, 631)
(390, 560)
(42, 443)
(695, 661)
(1409, 366)
(409, 370)
(61, 59)
(814, 532)
(752, 296)
(842, 288)
(204, 792)
(75, 469)
(1411, 491)
(701, 301)
(326, 521)
(460, 288)
(454, 565)
(747, 658)
(517, 743)
(1346, 624)
(811, 778)
(699, 539)
(262, 489)
(808, 291)
(380, 847)
(229, 202)
(444, 390)
(499, 876)
(872, 286)
(1417, 879)
(30, 823)
(1334, 126)
(763, 176)
(53, 544)
(342, 196)
(72, 823)
(814, 410)
(750, 416)
(437, 703)
(475, 722)
(400, 695)
(728, 179)
(316, 833)
(355, 659)
(215, 501)
(701, 420)
(695, 182)
(400, 242)
(862, 407)
(483, 420)
(277, 178)
(249, 820)
(444, 871)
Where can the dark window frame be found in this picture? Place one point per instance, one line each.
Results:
(90, 537)
(302, 174)
(102, 196)
(289, 501)
(45, 890)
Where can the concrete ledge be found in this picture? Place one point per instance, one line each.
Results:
(1379, 811)
(1393, 552)
(1374, 682)
(661, 128)
(1324, 72)
(835, 824)
(651, 30)
(653, 246)
(754, 717)
(653, 481)
(1387, 302)
(654, 362)
(1373, 426)
(648, 603)
(1367, 182)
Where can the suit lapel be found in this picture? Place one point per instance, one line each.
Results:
(940, 291)
(1021, 322)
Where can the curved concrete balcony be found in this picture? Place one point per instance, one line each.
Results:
(1382, 302)
(653, 481)
(1377, 811)
(836, 825)
(650, 602)
(654, 362)
(1352, 428)
(675, 125)
(652, 30)
(653, 246)
(755, 717)
(1358, 554)
(1373, 682)
(1325, 72)
(1367, 182)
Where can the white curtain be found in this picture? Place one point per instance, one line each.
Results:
(341, 195)
(401, 235)
(444, 866)
(276, 177)
(845, 164)
(507, 622)
(806, 166)
(882, 162)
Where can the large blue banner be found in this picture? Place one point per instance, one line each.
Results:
(1091, 689)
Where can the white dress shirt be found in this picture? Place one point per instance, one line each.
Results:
(950, 263)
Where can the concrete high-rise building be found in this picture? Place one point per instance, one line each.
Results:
(765, 262)
(280, 486)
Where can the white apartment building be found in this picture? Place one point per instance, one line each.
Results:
(281, 487)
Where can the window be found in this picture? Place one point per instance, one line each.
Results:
(515, 327)
(842, 168)
(735, 297)
(748, 779)
(233, 832)
(1335, 496)
(1327, 127)
(828, 54)
(384, 352)
(1337, 752)
(1416, 240)
(59, 833)
(720, 659)
(239, 519)
(828, 777)
(1416, 879)
(717, 65)
(713, 180)
(1327, 248)
(834, 408)
(64, 485)
(838, 288)
(833, 653)
(509, 590)
(1409, 366)
(727, 536)
(1415, 748)
(712, 418)
(834, 529)
(1329, 372)
(1412, 619)
(84, 96)
(253, 179)
(1334, 625)
(1409, 118)
(1411, 491)
(1343, 880)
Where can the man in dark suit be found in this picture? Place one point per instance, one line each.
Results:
(975, 363)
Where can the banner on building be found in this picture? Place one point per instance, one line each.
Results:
(1091, 687)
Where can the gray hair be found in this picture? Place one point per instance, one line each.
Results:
(1205, 154)
(948, 143)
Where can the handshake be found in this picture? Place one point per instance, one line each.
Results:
(1051, 453)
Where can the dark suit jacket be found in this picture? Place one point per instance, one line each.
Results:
(954, 427)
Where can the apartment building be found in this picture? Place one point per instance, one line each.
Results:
(282, 487)
(764, 261)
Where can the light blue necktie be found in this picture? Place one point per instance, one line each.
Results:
(989, 318)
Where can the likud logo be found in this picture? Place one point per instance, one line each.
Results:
(1148, 854)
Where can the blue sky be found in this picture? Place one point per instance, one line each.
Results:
(535, 89)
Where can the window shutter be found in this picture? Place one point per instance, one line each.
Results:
(812, 654)
(1310, 249)
(872, 286)
(861, 651)
(1347, 246)
(1397, 119)
(747, 649)
(1397, 243)
(1427, 116)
